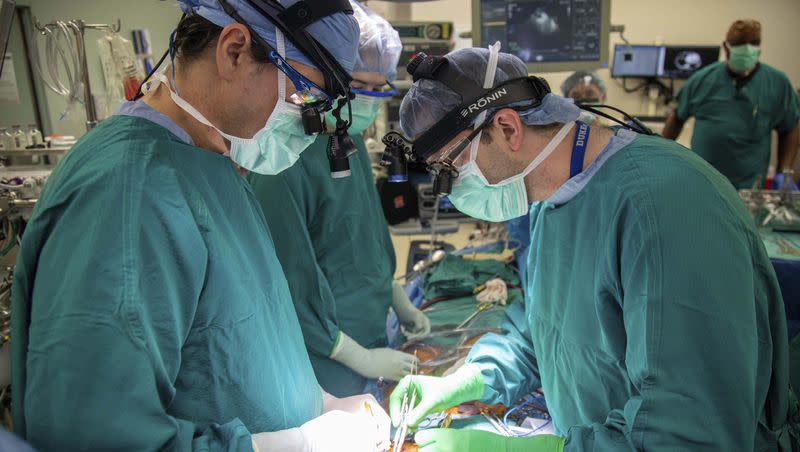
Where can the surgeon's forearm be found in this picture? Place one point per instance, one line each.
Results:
(787, 148)
(673, 127)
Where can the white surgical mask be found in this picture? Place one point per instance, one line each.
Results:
(473, 195)
(274, 148)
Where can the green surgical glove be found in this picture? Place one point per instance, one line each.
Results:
(436, 393)
(447, 440)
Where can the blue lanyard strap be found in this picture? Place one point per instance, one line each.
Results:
(578, 149)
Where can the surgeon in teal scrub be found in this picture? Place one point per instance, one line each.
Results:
(333, 242)
(737, 104)
(150, 309)
(646, 331)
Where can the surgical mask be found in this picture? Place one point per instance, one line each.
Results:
(744, 57)
(274, 148)
(473, 195)
(365, 110)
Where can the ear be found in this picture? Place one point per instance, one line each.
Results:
(509, 124)
(233, 47)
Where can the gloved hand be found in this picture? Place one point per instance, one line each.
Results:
(334, 431)
(373, 363)
(777, 181)
(446, 440)
(436, 393)
(413, 321)
(359, 404)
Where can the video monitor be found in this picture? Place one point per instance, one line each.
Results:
(549, 35)
(636, 61)
(683, 61)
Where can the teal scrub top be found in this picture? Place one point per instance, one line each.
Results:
(653, 319)
(733, 124)
(335, 248)
(150, 309)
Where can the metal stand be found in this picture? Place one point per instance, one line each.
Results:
(79, 27)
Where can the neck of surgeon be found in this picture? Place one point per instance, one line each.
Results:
(192, 83)
(547, 178)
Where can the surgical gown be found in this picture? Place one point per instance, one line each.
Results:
(150, 309)
(733, 124)
(653, 319)
(335, 248)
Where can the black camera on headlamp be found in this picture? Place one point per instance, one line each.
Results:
(475, 100)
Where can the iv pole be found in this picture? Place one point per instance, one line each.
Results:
(79, 27)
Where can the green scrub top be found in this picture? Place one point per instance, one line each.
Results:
(150, 309)
(653, 318)
(335, 248)
(733, 124)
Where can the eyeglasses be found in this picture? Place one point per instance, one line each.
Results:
(308, 93)
(453, 155)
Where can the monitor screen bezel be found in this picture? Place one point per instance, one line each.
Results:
(558, 66)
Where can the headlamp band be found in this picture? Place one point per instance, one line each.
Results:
(531, 89)
(337, 79)
(304, 13)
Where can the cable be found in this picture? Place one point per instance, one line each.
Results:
(64, 54)
(632, 90)
(12, 240)
(637, 125)
(170, 51)
(529, 400)
(433, 227)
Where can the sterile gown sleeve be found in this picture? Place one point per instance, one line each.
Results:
(687, 100)
(287, 210)
(790, 107)
(133, 281)
(692, 381)
(507, 362)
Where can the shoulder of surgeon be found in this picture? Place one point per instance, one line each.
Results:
(773, 73)
(127, 156)
(668, 176)
(713, 70)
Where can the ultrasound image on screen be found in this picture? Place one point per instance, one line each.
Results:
(682, 62)
(537, 30)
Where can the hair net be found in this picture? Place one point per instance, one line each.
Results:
(429, 100)
(582, 77)
(742, 31)
(378, 45)
(338, 33)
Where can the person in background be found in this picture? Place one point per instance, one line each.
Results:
(638, 324)
(737, 103)
(150, 309)
(585, 87)
(334, 243)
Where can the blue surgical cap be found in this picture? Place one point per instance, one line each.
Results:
(379, 44)
(582, 77)
(338, 33)
(428, 101)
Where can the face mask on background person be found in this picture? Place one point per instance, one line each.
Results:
(744, 57)
(365, 110)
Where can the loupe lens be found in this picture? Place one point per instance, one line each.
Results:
(312, 121)
(443, 183)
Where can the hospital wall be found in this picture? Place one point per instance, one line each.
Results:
(673, 22)
(651, 22)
